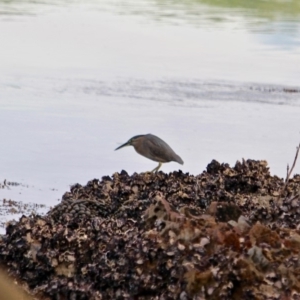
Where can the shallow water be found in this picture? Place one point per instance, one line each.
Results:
(77, 79)
(258, 42)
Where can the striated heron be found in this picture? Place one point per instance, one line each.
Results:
(153, 148)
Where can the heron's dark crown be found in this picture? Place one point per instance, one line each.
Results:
(136, 137)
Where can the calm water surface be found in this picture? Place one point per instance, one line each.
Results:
(257, 41)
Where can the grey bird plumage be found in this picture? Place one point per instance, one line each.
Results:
(154, 148)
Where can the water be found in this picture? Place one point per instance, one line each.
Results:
(215, 79)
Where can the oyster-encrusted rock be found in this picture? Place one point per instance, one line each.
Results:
(228, 233)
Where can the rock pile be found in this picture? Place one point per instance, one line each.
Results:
(228, 233)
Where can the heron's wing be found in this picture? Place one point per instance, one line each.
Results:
(159, 150)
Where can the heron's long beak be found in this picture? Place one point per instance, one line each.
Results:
(124, 145)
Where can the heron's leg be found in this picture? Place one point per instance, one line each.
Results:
(157, 168)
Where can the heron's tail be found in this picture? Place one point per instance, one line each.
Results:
(178, 159)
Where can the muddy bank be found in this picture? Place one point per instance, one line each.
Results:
(228, 233)
(12, 209)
